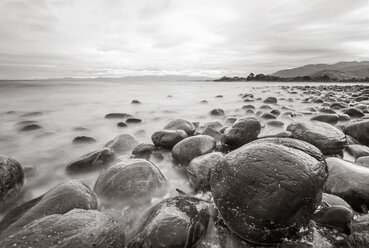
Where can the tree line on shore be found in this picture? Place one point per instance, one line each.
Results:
(263, 77)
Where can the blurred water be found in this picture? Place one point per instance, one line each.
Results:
(66, 105)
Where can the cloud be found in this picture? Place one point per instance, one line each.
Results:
(64, 38)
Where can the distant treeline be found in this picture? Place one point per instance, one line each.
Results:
(262, 77)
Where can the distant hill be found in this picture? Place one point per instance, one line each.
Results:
(340, 71)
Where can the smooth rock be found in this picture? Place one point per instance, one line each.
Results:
(130, 180)
(122, 144)
(92, 161)
(181, 124)
(326, 137)
(358, 130)
(328, 118)
(268, 189)
(83, 140)
(168, 138)
(357, 151)
(192, 147)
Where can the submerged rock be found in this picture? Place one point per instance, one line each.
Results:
(83, 140)
(11, 180)
(175, 222)
(168, 138)
(217, 112)
(77, 228)
(117, 116)
(181, 124)
(270, 99)
(132, 179)
(31, 127)
(244, 130)
(192, 147)
(268, 189)
(328, 118)
(326, 137)
(91, 161)
(58, 200)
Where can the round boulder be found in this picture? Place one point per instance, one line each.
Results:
(268, 189)
(244, 130)
(11, 180)
(122, 144)
(181, 124)
(192, 147)
(132, 179)
(326, 137)
(168, 138)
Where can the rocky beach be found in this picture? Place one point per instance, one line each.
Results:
(114, 163)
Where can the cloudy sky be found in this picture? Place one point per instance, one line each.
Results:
(89, 38)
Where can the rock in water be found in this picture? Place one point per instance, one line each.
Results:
(268, 189)
(326, 137)
(348, 181)
(359, 131)
(122, 144)
(192, 147)
(328, 118)
(83, 139)
(200, 168)
(168, 138)
(91, 161)
(358, 151)
(270, 99)
(337, 217)
(77, 228)
(175, 222)
(11, 180)
(132, 179)
(181, 124)
(244, 130)
(58, 200)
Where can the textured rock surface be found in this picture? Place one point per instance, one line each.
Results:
(168, 138)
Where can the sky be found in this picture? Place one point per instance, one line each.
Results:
(113, 38)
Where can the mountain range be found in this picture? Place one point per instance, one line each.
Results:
(340, 71)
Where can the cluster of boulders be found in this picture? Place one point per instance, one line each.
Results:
(289, 189)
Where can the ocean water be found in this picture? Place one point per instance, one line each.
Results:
(65, 105)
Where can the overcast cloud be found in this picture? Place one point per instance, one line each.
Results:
(89, 38)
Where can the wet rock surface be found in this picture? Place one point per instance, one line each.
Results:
(168, 138)
(268, 189)
(326, 137)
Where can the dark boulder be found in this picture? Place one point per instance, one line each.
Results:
(217, 112)
(337, 217)
(121, 124)
(132, 120)
(353, 112)
(268, 189)
(130, 180)
(117, 116)
(135, 102)
(83, 140)
(181, 124)
(244, 130)
(328, 118)
(268, 116)
(59, 200)
(348, 181)
(77, 228)
(168, 138)
(358, 130)
(326, 137)
(11, 180)
(143, 150)
(192, 147)
(199, 170)
(175, 222)
(275, 123)
(270, 99)
(31, 127)
(329, 200)
(122, 144)
(91, 161)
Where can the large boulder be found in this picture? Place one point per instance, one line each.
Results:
(175, 222)
(268, 189)
(77, 228)
(59, 200)
(168, 138)
(199, 170)
(122, 144)
(181, 124)
(91, 161)
(244, 130)
(348, 181)
(130, 179)
(326, 137)
(358, 130)
(192, 147)
(11, 180)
